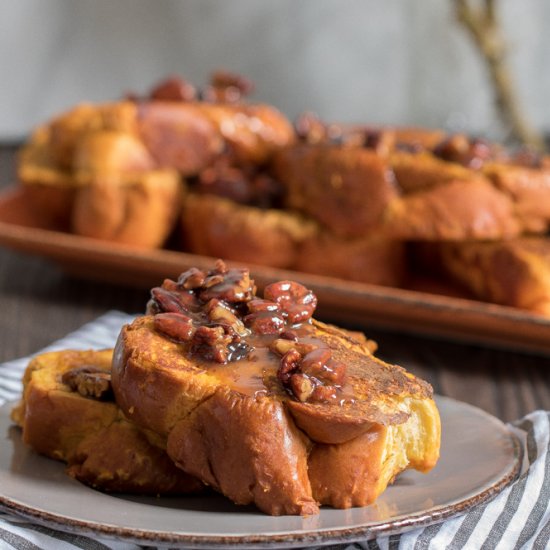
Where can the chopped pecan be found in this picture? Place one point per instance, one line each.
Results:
(191, 279)
(219, 312)
(289, 335)
(301, 386)
(171, 302)
(220, 267)
(236, 287)
(323, 393)
(309, 374)
(310, 128)
(174, 325)
(89, 381)
(314, 363)
(461, 149)
(224, 79)
(227, 87)
(257, 304)
(319, 363)
(265, 322)
(213, 280)
(296, 301)
(173, 88)
(282, 345)
(290, 362)
(380, 141)
(211, 343)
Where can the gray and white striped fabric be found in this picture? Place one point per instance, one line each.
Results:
(519, 517)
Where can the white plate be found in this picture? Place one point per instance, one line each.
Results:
(479, 457)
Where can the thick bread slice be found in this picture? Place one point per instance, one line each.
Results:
(347, 190)
(113, 171)
(355, 192)
(100, 446)
(372, 259)
(249, 427)
(515, 272)
(113, 191)
(216, 226)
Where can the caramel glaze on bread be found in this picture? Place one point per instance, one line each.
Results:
(67, 413)
(263, 403)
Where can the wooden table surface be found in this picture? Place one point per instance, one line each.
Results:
(39, 304)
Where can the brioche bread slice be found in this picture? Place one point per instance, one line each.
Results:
(113, 171)
(263, 403)
(217, 226)
(515, 272)
(67, 413)
(356, 191)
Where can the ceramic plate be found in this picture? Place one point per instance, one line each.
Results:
(479, 457)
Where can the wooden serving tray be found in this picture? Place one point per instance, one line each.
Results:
(410, 311)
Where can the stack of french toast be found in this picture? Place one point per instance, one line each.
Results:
(234, 179)
(218, 389)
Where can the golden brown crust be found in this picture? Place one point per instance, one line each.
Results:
(356, 468)
(346, 189)
(122, 197)
(354, 191)
(458, 210)
(100, 446)
(248, 449)
(45, 184)
(143, 356)
(372, 259)
(113, 191)
(236, 427)
(141, 214)
(514, 273)
(218, 227)
(529, 189)
(112, 171)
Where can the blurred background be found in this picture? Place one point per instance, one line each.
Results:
(395, 62)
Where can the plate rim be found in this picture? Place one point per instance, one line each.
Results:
(318, 536)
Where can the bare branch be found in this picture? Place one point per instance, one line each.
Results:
(483, 25)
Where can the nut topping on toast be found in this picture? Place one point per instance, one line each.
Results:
(89, 381)
(216, 317)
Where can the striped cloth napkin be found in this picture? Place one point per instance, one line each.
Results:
(519, 517)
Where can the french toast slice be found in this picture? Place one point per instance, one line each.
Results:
(260, 401)
(513, 272)
(67, 413)
(372, 259)
(414, 184)
(401, 195)
(113, 171)
(217, 226)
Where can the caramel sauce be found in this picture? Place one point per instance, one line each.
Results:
(248, 376)
(231, 335)
(257, 372)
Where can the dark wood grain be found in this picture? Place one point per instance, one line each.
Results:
(40, 303)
